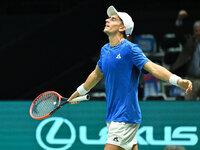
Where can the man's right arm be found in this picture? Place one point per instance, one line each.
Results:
(94, 77)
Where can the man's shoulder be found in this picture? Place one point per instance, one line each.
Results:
(132, 46)
(106, 45)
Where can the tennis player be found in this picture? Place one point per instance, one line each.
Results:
(121, 63)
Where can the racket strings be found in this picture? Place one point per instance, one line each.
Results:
(45, 104)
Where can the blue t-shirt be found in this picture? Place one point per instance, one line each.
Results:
(121, 66)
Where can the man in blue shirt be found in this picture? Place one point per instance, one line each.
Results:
(121, 63)
(121, 66)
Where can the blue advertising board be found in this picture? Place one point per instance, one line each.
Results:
(82, 126)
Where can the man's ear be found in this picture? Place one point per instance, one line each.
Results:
(122, 28)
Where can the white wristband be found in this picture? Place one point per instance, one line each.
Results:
(174, 79)
(81, 90)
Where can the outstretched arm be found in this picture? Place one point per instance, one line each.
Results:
(165, 75)
(94, 77)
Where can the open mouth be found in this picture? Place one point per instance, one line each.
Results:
(107, 25)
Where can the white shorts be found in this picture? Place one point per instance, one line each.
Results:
(122, 134)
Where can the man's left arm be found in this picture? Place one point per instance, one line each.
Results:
(165, 75)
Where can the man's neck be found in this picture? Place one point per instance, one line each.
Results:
(115, 40)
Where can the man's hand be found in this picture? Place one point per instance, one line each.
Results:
(74, 95)
(186, 85)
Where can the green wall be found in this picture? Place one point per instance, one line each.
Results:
(83, 126)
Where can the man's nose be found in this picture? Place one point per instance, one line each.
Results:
(107, 20)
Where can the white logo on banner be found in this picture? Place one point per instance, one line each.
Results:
(57, 123)
(182, 135)
(50, 137)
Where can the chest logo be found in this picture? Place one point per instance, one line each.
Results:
(118, 56)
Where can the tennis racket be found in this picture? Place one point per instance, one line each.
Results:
(49, 102)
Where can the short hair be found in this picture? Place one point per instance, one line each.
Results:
(196, 24)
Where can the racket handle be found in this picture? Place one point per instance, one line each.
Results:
(81, 98)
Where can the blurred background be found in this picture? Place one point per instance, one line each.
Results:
(55, 44)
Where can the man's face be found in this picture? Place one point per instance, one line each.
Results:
(197, 32)
(113, 25)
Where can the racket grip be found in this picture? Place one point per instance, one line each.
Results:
(81, 98)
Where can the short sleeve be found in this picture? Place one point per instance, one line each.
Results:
(138, 58)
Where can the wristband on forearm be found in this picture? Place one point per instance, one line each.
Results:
(174, 79)
(81, 90)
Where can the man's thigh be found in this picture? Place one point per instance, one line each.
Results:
(112, 147)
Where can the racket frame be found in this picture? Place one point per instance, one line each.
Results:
(86, 97)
